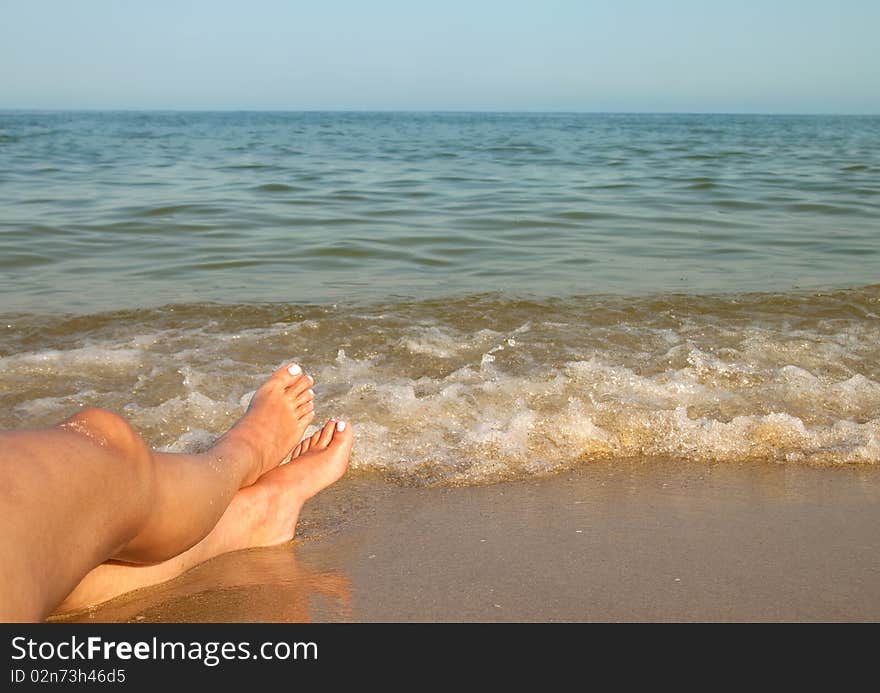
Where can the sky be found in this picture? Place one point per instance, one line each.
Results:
(767, 56)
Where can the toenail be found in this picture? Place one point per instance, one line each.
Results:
(311, 392)
(340, 425)
(311, 379)
(294, 369)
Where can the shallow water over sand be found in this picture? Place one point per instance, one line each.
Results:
(612, 541)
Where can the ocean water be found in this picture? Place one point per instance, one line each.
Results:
(485, 296)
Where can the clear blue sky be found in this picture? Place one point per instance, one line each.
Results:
(570, 55)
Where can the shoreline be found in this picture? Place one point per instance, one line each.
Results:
(101, 314)
(607, 541)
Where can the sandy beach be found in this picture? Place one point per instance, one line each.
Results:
(610, 541)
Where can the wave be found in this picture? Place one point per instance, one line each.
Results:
(483, 388)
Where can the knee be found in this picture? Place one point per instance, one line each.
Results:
(112, 432)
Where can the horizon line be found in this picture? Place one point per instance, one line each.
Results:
(4, 109)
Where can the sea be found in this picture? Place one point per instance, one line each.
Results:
(485, 296)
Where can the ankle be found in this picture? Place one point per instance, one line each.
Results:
(239, 450)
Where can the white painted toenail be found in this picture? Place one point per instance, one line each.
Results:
(340, 425)
(294, 369)
(311, 392)
(311, 379)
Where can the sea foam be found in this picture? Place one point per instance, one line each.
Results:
(485, 388)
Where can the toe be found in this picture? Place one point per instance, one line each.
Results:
(304, 397)
(300, 384)
(306, 418)
(325, 435)
(342, 435)
(288, 375)
(314, 472)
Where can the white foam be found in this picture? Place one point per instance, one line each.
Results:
(466, 401)
(432, 341)
(60, 361)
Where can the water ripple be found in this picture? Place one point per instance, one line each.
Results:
(115, 209)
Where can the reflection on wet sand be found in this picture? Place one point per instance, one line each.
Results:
(266, 585)
(622, 540)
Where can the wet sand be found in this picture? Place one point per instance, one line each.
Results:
(610, 541)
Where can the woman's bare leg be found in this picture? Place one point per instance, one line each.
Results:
(263, 514)
(89, 489)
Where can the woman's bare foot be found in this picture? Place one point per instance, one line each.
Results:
(263, 514)
(275, 421)
(270, 508)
